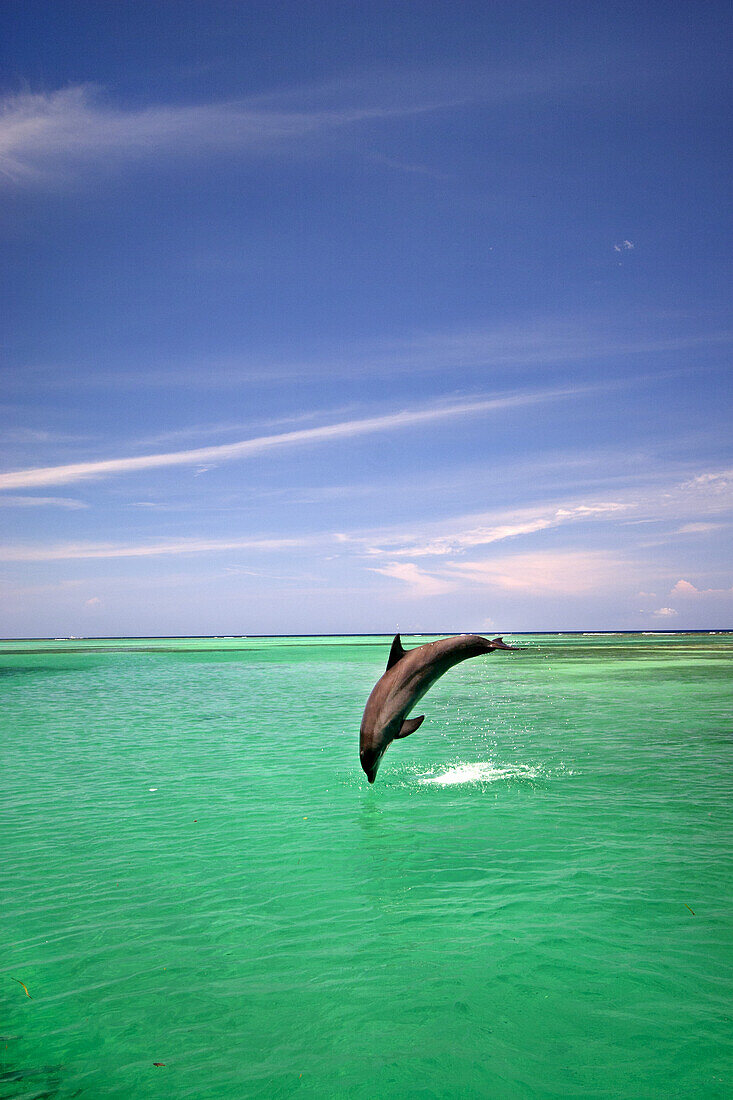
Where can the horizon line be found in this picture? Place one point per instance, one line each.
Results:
(390, 634)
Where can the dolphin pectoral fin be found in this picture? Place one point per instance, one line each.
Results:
(499, 643)
(396, 653)
(409, 726)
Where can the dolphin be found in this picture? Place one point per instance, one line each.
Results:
(409, 674)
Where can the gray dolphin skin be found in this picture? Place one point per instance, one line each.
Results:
(410, 673)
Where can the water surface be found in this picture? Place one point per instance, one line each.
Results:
(534, 899)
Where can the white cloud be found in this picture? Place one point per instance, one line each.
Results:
(94, 601)
(684, 588)
(407, 418)
(718, 481)
(625, 246)
(665, 613)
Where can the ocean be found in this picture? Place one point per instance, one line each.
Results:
(201, 895)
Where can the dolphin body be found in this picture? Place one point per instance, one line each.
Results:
(409, 674)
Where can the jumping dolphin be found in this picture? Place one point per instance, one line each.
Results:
(409, 674)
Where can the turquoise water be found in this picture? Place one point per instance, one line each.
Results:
(534, 900)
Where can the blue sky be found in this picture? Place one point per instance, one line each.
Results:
(338, 317)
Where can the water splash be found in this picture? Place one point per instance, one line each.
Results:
(480, 772)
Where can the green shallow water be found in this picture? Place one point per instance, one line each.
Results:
(196, 872)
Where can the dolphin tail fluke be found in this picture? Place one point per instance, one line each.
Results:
(409, 726)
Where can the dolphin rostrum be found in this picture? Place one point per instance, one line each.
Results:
(410, 673)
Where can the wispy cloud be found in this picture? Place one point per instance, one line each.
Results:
(510, 525)
(534, 341)
(548, 572)
(35, 435)
(83, 551)
(709, 494)
(444, 540)
(534, 344)
(10, 591)
(699, 528)
(407, 418)
(209, 431)
(37, 502)
(45, 132)
(540, 573)
(420, 583)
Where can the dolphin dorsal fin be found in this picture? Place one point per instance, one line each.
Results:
(396, 653)
(409, 726)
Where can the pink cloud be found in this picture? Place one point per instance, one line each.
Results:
(570, 572)
(684, 588)
(420, 582)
